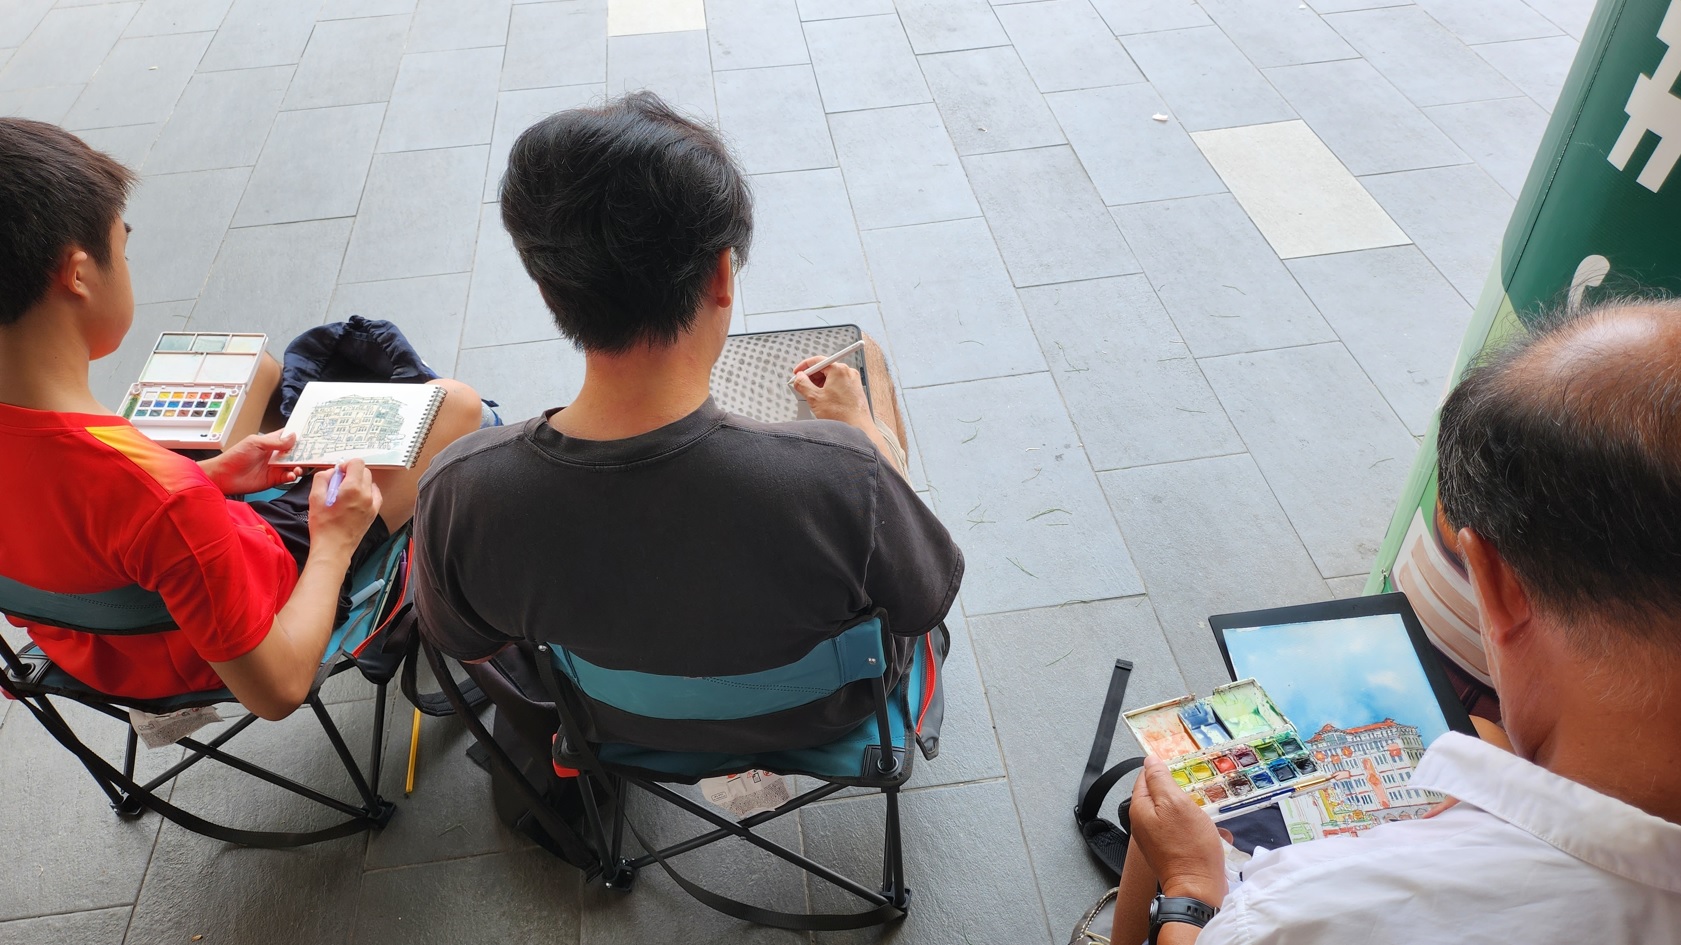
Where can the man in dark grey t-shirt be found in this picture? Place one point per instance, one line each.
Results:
(642, 527)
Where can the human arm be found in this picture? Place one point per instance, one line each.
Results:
(245, 468)
(275, 677)
(837, 393)
(448, 620)
(1181, 844)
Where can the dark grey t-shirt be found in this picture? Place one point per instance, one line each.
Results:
(716, 545)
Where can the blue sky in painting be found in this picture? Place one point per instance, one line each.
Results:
(1347, 672)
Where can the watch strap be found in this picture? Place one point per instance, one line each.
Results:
(1179, 909)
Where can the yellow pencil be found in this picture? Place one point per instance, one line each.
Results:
(414, 753)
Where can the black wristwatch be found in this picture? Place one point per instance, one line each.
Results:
(1178, 909)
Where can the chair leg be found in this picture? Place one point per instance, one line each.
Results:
(892, 855)
(130, 806)
(614, 872)
(376, 809)
(376, 757)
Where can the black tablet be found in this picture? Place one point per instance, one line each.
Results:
(1345, 666)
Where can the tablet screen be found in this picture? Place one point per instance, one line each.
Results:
(1343, 675)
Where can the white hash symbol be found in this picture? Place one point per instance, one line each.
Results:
(1653, 107)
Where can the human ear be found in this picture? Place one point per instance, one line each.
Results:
(722, 284)
(73, 272)
(1502, 602)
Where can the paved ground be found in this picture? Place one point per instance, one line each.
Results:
(1171, 288)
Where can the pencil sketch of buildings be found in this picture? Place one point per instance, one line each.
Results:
(353, 422)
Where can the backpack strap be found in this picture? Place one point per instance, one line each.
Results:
(406, 625)
(1107, 841)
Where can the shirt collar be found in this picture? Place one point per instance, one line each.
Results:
(1592, 827)
(652, 445)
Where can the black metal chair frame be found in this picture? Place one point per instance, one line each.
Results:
(24, 678)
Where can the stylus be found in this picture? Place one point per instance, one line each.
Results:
(333, 483)
(831, 359)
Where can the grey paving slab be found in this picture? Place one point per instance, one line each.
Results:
(67, 46)
(1365, 121)
(989, 101)
(428, 309)
(1277, 32)
(1149, 16)
(1131, 386)
(178, 222)
(900, 167)
(198, 886)
(99, 927)
(1012, 483)
(525, 379)
(1538, 66)
(349, 62)
(1066, 45)
(68, 852)
(5, 54)
(1046, 673)
(48, 104)
(806, 252)
(522, 896)
(347, 9)
(1489, 21)
(1570, 15)
(261, 33)
(1455, 214)
(111, 375)
(221, 120)
(1398, 317)
(449, 815)
(503, 306)
(677, 66)
(1343, 588)
(949, 25)
(1130, 156)
(834, 9)
(1049, 220)
(313, 165)
(1426, 62)
(1343, 6)
(1330, 447)
(970, 882)
(968, 743)
(864, 62)
(19, 18)
(553, 44)
(458, 24)
(139, 82)
(1208, 81)
(519, 110)
(127, 143)
(751, 34)
(442, 100)
(277, 279)
(1502, 135)
(160, 17)
(1221, 282)
(949, 304)
(419, 215)
(773, 119)
(1197, 524)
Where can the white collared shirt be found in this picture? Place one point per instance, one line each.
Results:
(1525, 857)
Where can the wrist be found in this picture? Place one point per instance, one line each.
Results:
(1195, 887)
(212, 469)
(331, 551)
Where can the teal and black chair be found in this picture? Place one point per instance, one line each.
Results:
(877, 754)
(31, 678)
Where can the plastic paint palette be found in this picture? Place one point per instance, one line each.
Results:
(1230, 751)
(193, 386)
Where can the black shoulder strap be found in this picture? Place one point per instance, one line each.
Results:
(431, 703)
(1107, 841)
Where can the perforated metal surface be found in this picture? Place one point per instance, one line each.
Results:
(751, 376)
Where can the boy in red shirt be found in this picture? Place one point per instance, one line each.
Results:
(92, 505)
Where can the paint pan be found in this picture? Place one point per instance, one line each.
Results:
(1260, 778)
(1267, 750)
(1223, 763)
(1215, 791)
(1181, 776)
(1246, 709)
(1200, 771)
(1160, 731)
(1303, 763)
(1239, 784)
(1245, 756)
(1201, 722)
(1282, 770)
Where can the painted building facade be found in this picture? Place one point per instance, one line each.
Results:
(1371, 767)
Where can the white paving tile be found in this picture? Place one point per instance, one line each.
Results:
(631, 17)
(1300, 196)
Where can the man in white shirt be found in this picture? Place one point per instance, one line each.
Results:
(1560, 469)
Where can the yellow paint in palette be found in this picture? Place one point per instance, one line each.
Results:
(1201, 770)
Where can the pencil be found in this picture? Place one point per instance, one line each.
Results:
(414, 753)
(831, 359)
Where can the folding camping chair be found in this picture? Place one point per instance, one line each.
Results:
(876, 754)
(31, 678)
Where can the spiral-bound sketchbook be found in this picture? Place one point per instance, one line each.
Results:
(383, 425)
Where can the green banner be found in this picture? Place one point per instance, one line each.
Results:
(1600, 212)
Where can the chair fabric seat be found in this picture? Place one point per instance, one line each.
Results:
(847, 760)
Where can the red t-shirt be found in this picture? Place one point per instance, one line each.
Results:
(89, 504)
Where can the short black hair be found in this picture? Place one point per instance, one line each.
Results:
(55, 193)
(1562, 449)
(619, 214)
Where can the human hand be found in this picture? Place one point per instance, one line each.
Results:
(834, 393)
(245, 468)
(1176, 837)
(340, 526)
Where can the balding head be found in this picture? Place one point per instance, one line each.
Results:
(1563, 451)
